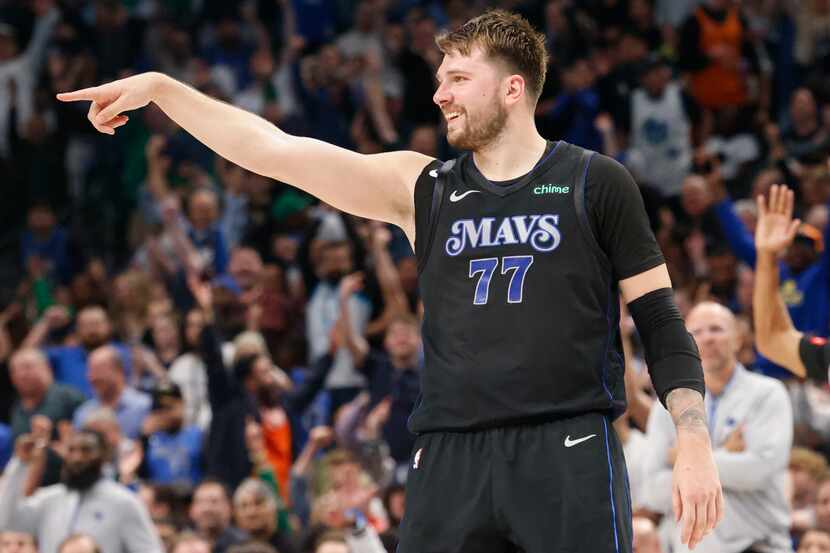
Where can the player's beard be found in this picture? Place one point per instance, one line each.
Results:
(481, 129)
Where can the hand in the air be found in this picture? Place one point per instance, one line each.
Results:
(110, 100)
(775, 228)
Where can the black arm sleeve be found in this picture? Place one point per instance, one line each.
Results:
(671, 353)
(618, 219)
(815, 354)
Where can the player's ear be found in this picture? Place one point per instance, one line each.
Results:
(514, 89)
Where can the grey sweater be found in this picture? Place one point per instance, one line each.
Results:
(754, 481)
(108, 512)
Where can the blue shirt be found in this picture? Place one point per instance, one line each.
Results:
(6, 444)
(175, 458)
(69, 366)
(212, 246)
(54, 250)
(130, 410)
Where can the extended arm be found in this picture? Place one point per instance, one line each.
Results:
(379, 186)
(777, 338)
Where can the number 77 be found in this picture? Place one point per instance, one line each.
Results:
(519, 264)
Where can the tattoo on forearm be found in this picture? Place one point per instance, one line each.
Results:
(686, 408)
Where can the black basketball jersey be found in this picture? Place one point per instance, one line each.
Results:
(521, 308)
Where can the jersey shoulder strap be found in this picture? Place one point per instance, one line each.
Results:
(425, 234)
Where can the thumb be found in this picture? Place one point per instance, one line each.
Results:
(111, 111)
(89, 94)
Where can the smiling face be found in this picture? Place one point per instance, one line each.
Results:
(469, 97)
(494, 67)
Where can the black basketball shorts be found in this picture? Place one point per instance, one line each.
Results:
(555, 487)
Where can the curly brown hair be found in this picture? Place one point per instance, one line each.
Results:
(504, 36)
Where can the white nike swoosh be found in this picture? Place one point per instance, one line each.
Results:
(434, 173)
(570, 443)
(455, 196)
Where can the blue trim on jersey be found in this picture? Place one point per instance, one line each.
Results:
(545, 158)
(611, 486)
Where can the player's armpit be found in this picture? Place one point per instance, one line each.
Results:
(641, 284)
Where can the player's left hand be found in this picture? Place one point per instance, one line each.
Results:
(697, 496)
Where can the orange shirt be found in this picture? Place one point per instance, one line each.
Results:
(720, 85)
(278, 449)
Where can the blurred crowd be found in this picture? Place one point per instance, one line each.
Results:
(206, 360)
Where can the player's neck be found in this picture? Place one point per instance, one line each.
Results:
(513, 154)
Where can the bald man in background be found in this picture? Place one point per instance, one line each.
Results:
(750, 422)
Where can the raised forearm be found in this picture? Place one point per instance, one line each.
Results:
(775, 333)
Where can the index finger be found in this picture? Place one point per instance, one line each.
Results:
(88, 94)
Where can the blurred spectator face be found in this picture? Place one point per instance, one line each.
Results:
(285, 248)
(192, 546)
(245, 267)
(656, 79)
(803, 109)
(203, 209)
(815, 189)
(254, 513)
(171, 411)
(823, 506)
(266, 384)
(578, 76)
(402, 340)
(41, 220)
(814, 541)
(645, 536)
(94, 327)
(397, 504)
(694, 195)
(746, 281)
(364, 17)
(764, 180)
(722, 270)
(423, 35)
(631, 48)
(408, 273)
(640, 12)
(555, 20)
(262, 64)
(79, 544)
(424, 140)
(800, 255)
(30, 373)
(8, 42)
(85, 455)
(165, 333)
(105, 374)
(713, 328)
(332, 546)
(154, 502)
(228, 32)
(468, 97)
(345, 476)
(210, 510)
(818, 217)
(167, 532)
(17, 542)
(335, 262)
(194, 323)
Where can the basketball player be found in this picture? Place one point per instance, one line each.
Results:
(524, 246)
(777, 338)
